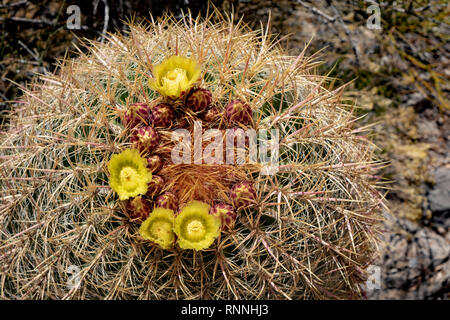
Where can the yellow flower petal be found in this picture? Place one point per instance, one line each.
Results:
(159, 228)
(195, 227)
(129, 174)
(174, 76)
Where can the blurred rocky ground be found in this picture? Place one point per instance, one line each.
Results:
(396, 55)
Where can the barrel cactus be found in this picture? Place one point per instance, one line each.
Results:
(90, 190)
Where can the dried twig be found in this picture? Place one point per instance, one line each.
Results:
(105, 25)
(37, 58)
(42, 21)
(317, 11)
(13, 4)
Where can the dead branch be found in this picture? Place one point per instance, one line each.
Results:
(317, 11)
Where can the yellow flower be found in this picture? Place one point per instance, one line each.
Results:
(159, 228)
(195, 227)
(128, 174)
(175, 76)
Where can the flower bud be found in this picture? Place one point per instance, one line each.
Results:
(161, 116)
(238, 112)
(145, 139)
(138, 208)
(155, 186)
(167, 200)
(136, 114)
(243, 194)
(199, 99)
(226, 214)
(154, 163)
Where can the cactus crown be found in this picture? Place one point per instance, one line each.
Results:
(309, 232)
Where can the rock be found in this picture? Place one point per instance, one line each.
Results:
(414, 264)
(429, 130)
(439, 195)
(418, 101)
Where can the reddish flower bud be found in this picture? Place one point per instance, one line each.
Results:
(138, 208)
(199, 99)
(226, 214)
(167, 200)
(136, 114)
(161, 115)
(243, 194)
(238, 112)
(145, 139)
(154, 163)
(155, 186)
